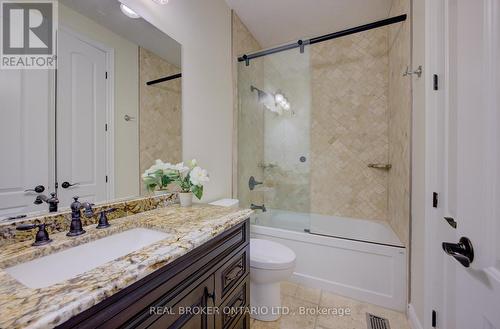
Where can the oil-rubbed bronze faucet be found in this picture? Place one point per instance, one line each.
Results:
(75, 227)
(52, 201)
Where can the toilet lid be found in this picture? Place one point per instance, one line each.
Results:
(270, 255)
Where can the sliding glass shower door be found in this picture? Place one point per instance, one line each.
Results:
(274, 135)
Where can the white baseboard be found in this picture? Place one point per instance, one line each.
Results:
(413, 319)
(356, 293)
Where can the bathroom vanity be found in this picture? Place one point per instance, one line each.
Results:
(183, 294)
(195, 277)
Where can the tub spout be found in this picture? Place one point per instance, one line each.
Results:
(255, 207)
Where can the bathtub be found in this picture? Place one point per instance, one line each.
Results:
(356, 258)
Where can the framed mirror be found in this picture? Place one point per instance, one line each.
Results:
(94, 125)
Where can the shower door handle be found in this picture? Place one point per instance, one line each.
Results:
(463, 251)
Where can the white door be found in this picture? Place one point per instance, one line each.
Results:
(467, 165)
(25, 141)
(81, 120)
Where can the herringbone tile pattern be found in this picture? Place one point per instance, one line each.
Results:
(350, 125)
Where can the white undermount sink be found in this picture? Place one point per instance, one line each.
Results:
(51, 269)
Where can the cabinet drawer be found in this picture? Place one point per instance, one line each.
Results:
(229, 274)
(234, 306)
(166, 309)
(188, 312)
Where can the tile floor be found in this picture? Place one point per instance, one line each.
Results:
(295, 296)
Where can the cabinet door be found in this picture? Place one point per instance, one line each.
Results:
(192, 311)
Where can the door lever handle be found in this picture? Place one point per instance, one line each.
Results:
(37, 189)
(68, 184)
(463, 251)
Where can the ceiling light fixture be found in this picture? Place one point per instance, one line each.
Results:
(128, 12)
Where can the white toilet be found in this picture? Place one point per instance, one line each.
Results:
(270, 263)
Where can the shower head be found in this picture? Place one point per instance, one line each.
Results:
(261, 94)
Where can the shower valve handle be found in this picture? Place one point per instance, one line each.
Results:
(252, 183)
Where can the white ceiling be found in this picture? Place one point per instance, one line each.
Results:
(108, 14)
(275, 22)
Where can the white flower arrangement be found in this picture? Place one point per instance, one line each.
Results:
(189, 178)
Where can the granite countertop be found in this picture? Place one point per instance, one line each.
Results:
(23, 307)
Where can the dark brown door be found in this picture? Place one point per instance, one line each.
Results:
(192, 311)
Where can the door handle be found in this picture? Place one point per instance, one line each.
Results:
(37, 189)
(68, 184)
(463, 251)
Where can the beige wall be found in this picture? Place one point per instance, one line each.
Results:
(160, 114)
(203, 28)
(126, 97)
(349, 125)
(398, 209)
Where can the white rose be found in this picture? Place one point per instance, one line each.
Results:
(158, 165)
(166, 166)
(180, 167)
(198, 176)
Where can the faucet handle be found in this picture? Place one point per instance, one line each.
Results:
(103, 218)
(87, 209)
(26, 227)
(42, 236)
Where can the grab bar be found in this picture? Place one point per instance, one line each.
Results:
(384, 166)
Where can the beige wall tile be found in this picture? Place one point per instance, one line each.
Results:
(349, 87)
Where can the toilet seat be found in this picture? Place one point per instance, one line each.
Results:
(269, 255)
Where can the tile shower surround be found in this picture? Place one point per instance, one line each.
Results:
(360, 114)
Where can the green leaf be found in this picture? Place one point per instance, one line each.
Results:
(165, 180)
(151, 187)
(197, 191)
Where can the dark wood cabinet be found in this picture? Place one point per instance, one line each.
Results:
(208, 288)
(188, 312)
(243, 322)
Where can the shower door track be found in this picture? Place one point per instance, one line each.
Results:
(302, 43)
(306, 230)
